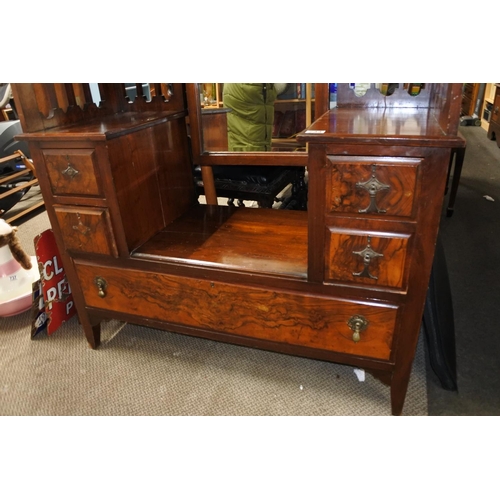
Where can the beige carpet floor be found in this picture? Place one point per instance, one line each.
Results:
(143, 371)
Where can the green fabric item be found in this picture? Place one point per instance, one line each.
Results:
(250, 121)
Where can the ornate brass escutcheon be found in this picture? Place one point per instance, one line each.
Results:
(357, 324)
(70, 171)
(367, 254)
(373, 186)
(101, 284)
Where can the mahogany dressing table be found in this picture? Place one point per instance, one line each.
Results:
(344, 281)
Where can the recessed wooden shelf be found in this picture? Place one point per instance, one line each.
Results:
(255, 240)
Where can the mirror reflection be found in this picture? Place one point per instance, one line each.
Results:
(253, 117)
(247, 117)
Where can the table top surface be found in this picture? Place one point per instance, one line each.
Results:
(379, 125)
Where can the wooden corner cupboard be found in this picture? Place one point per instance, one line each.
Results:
(344, 281)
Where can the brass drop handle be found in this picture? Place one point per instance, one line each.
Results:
(101, 286)
(357, 324)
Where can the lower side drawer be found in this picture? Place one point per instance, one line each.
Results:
(276, 315)
(86, 229)
(366, 258)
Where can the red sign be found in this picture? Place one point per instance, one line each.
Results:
(59, 306)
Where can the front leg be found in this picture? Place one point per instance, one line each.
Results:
(92, 331)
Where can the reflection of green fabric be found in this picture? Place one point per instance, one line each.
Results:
(250, 121)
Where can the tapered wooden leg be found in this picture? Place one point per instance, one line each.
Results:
(92, 332)
(399, 387)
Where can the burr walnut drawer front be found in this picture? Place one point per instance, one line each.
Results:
(366, 257)
(371, 185)
(320, 322)
(73, 171)
(86, 229)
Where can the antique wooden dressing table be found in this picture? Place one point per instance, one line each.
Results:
(344, 282)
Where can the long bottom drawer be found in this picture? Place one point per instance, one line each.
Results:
(281, 316)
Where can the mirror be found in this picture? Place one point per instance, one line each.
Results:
(254, 117)
(294, 107)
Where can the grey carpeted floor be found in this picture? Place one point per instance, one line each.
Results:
(142, 371)
(471, 239)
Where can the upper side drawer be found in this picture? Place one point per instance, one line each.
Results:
(73, 171)
(371, 185)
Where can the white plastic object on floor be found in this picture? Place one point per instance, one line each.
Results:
(360, 373)
(16, 284)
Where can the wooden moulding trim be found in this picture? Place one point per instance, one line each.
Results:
(264, 159)
(74, 132)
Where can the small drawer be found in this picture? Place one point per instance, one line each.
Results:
(86, 229)
(371, 185)
(366, 258)
(73, 172)
(320, 322)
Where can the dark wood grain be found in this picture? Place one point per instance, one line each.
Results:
(214, 127)
(387, 269)
(254, 240)
(73, 171)
(310, 321)
(27, 107)
(135, 178)
(174, 169)
(86, 229)
(389, 126)
(316, 214)
(151, 176)
(345, 174)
